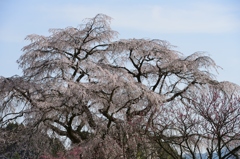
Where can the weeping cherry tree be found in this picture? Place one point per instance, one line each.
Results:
(111, 98)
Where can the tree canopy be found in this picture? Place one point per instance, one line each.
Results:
(121, 98)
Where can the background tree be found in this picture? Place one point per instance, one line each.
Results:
(110, 97)
(206, 122)
(17, 141)
(219, 119)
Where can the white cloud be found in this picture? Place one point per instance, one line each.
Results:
(197, 18)
(202, 18)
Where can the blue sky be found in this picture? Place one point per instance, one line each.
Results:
(212, 26)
